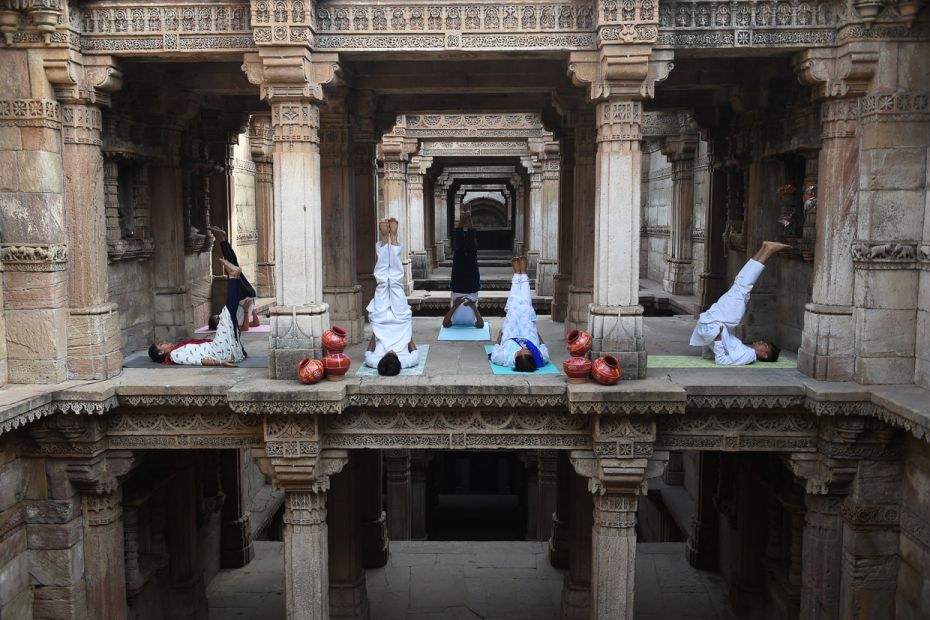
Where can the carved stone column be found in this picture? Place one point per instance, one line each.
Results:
(440, 220)
(561, 518)
(341, 292)
(519, 214)
(301, 315)
(371, 509)
(616, 320)
(547, 477)
(679, 276)
(417, 216)
(576, 588)
(533, 241)
(703, 539)
(260, 141)
(348, 598)
(713, 278)
(173, 316)
(549, 222)
(94, 336)
(362, 151)
(395, 199)
(828, 342)
(531, 465)
(566, 224)
(399, 494)
(419, 459)
(580, 293)
(236, 548)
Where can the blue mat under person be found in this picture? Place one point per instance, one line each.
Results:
(518, 345)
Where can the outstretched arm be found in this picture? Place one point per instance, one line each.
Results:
(447, 319)
(479, 321)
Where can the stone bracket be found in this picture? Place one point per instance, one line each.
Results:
(839, 72)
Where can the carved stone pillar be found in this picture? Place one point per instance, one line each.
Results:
(440, 220)
(348, 598)
(679, 277)
(613, 542)
(822, 557)
(616, 321)
(703, 539)
(301, 315)
(548, 264)
(419, 460)
(260, 141)
(399, 494)
(580, 293)
(362, 151)
(371, 510)
(519, 214)
(576, 588)
(341, 292)
(395, 200)
(713, 278)
(533, 241)
(566, 217)
(531, 464)
(561, 517)
(94, 336)
(828, 342)
(173, 316)
(236, 548)
(547, 475)
(417, 216)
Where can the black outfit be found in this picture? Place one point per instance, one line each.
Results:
(233, 295)
(465, 275)
(244, 288)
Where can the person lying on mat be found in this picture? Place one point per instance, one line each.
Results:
(246, 316)
(391, 346)
(518, 344)
(224, 350)
(714, 325)
(466, 279)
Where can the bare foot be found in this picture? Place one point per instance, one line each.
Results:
(524, 261)
(218, 232)
(774, 246)
(393, 227)
(515, 263)
(384, 229)
(231, 270)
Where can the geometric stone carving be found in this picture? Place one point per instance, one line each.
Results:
(34, 256)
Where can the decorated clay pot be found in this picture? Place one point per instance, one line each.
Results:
(577, 369)
(334, 339)
(579, 342)
(337, 365)
(309, 371)
(606, 370)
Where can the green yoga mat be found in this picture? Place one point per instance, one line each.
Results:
(366, 371)
(548, 369)
(696, 361)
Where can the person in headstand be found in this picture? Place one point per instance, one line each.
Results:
(391, 346)
(225, 348)
(713, 329)
(518, 344)
(466, 278)
(246, 316)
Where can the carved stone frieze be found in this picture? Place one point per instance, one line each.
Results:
(455, 400)
(745, 402)
(173, 400)
(891, 255)
(482, 148)
(34, 256)
(444, 125)
(742, 431)
(30, 113)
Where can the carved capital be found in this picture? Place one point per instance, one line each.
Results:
(88, 80)
(619, 119)
(618, 475)
(291, 74)
(100, 474)
(620, 71)
(838, 72)
(261, 133)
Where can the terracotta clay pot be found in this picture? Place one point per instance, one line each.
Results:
(577, 369)
(309, 371)
(337, 365)
(606, 370)
(334, 339)
(578, 342)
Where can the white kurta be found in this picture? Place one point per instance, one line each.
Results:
(388, 312)
(725, 315)
(520, 322)
(225, 346)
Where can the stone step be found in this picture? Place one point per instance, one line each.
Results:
(490, 303)
(442, 284)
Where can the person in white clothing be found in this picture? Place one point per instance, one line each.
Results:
(714, 326)
(391, 346)
(518, 344)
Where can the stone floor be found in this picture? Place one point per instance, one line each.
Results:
(472, 581)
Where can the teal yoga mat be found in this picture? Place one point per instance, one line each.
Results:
(460, 332)
(696, 361)
(548, 369)
(365, 371)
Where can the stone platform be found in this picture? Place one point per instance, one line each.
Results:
(472, 581)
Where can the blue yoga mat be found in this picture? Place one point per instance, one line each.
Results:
(548, 369)
(462, 332)
(366, 371)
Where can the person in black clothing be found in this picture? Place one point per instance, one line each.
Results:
(466, 278)
(245, 317)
